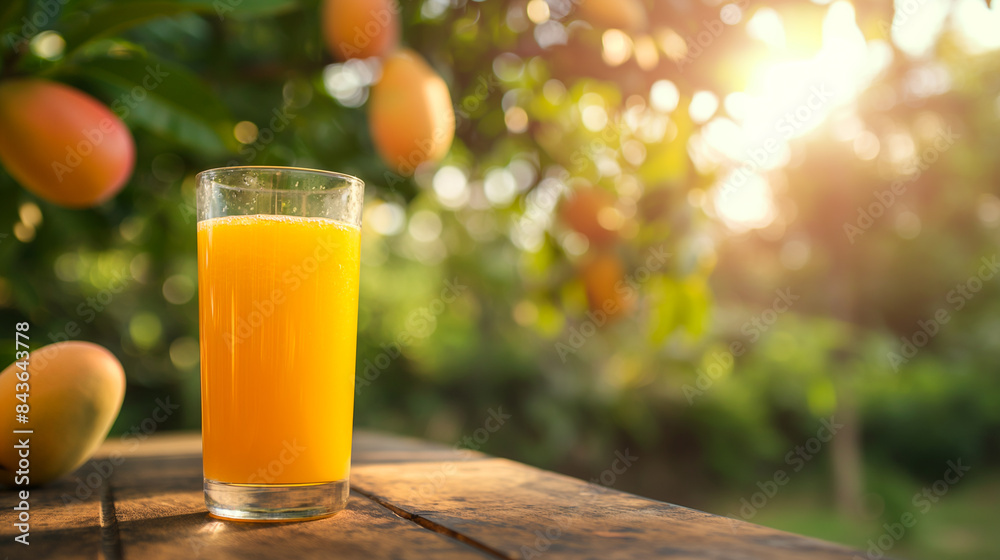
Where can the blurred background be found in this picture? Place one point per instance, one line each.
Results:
(705, 234)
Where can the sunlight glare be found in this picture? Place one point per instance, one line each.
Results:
(789, 97)
(766, 26)
(664, 96)
(791, 92)
(845, 52)
(917, 25)
(751, 206)
(451, 186)
(646, 55)
(866, 145)
(387, 218)
(617, 47)
(726, 137)
(736, 105)
(978, 26)
(703, 106)
(538, 11)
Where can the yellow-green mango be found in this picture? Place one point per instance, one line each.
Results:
(75, 390)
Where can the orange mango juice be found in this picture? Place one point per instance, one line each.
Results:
(278, 320)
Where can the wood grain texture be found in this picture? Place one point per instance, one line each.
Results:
(62, 525)
(410, 499)
(522, 512)
(379, 448)
(161, 514)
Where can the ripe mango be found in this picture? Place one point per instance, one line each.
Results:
(410, 114)
(62, 144)
(607, 288)
(581, 211)
(75, 392)
(360, 28)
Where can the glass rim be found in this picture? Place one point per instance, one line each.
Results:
(350, 180)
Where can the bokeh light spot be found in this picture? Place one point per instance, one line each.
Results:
(245, 132)
(178, 289)
(664, 96)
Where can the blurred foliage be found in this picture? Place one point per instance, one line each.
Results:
(545, 107)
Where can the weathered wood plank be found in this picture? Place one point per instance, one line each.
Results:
(369, 447)
(61, 525)
(523, 512)
(161, 514)
(379, 448)
(475, 506)
(159, 445)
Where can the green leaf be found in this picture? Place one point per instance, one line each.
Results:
(695, 300)
(166, 99)
(668, 160)
(255, 8)
(118, 17)
(9, 16)
(663, 295)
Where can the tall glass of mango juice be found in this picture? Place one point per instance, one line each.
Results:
(278, 274)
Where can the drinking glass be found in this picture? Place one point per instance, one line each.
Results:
(278, 274)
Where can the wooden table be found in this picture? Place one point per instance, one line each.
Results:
(409, 499)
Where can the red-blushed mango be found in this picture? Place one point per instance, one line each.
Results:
(617, 14)
(75, 392)
(62, 144)
(410, 113)
(360, 28)
(607, 289)
(582, 212)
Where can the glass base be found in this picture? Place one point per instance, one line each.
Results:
(275, 502)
